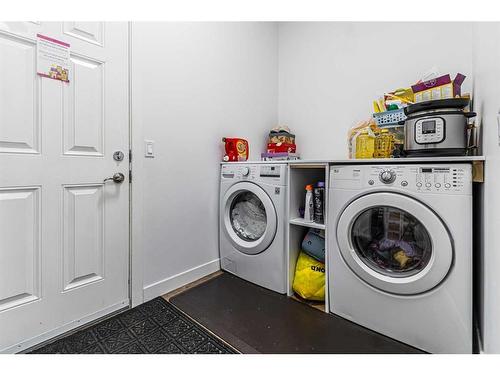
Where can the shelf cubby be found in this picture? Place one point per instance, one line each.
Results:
(300, 175)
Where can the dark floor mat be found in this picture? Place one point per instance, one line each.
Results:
(254, 319)
(153, 327)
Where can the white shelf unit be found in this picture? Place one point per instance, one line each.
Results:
(300, 175)
(300, 221)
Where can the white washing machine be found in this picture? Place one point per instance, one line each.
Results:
(252, 223)
(401, 255)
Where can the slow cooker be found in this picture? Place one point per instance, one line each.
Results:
(437, 128)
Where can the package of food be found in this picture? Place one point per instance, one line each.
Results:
(405, 94)
(384, 144)
(441, 87)
(365, 144)
(363, 127)
(281, 147)
(398, 132)
(281, 137)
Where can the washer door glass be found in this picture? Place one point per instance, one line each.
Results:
(394, 243)
(391, 241)
(248, 216)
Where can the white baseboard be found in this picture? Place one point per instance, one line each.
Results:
(63, 329)
(164, 286)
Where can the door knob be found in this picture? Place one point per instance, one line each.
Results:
(117, 177)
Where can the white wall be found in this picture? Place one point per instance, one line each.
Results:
(329, 72)
(192, 84)
(487, 103)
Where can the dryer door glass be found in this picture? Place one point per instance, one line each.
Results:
(248, 216)
(391, 241)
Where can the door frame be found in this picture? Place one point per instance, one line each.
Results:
(136, 206)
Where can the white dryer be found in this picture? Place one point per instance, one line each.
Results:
(252, 223)
(401, 258)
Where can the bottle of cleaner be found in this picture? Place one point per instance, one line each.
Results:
(309, 206)
(319, 203)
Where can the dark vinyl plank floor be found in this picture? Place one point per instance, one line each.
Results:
(255, 320)
(153, 327)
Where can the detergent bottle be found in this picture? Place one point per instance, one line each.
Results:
(309, 206)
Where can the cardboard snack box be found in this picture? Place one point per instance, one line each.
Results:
(439, 88)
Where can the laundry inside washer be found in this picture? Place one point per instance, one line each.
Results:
(391, 240)
(248, 216)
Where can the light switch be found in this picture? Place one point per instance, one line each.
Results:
(149, 149)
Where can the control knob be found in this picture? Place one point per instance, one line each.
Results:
(245, 171)
(387, 176)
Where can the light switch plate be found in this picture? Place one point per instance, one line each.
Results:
(149, 149)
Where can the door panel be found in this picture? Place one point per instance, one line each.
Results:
(83, 235)
(19, 96)
(91, 32)
(63, 232)
(83, 108)
(19, 239)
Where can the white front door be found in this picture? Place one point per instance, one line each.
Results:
(64, 233)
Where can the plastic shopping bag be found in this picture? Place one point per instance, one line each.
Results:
(309, 280)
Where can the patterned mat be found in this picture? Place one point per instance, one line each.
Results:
(154, 327)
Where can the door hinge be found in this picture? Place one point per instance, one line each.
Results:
(129, 176)
(130, 156)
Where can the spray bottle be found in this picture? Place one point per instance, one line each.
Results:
(309, 206)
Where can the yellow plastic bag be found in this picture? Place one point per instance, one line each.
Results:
(309, 280)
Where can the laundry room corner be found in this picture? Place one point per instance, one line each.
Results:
(191, 81)
(330, 71)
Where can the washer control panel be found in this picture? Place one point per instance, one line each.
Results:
(429, 130)
(269, 171)
(275, 173)
(441, 179)
(435, 178)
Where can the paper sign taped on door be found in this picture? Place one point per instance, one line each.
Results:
(53, 58)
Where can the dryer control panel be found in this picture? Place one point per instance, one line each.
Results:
(424, 178)
(270, 173)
